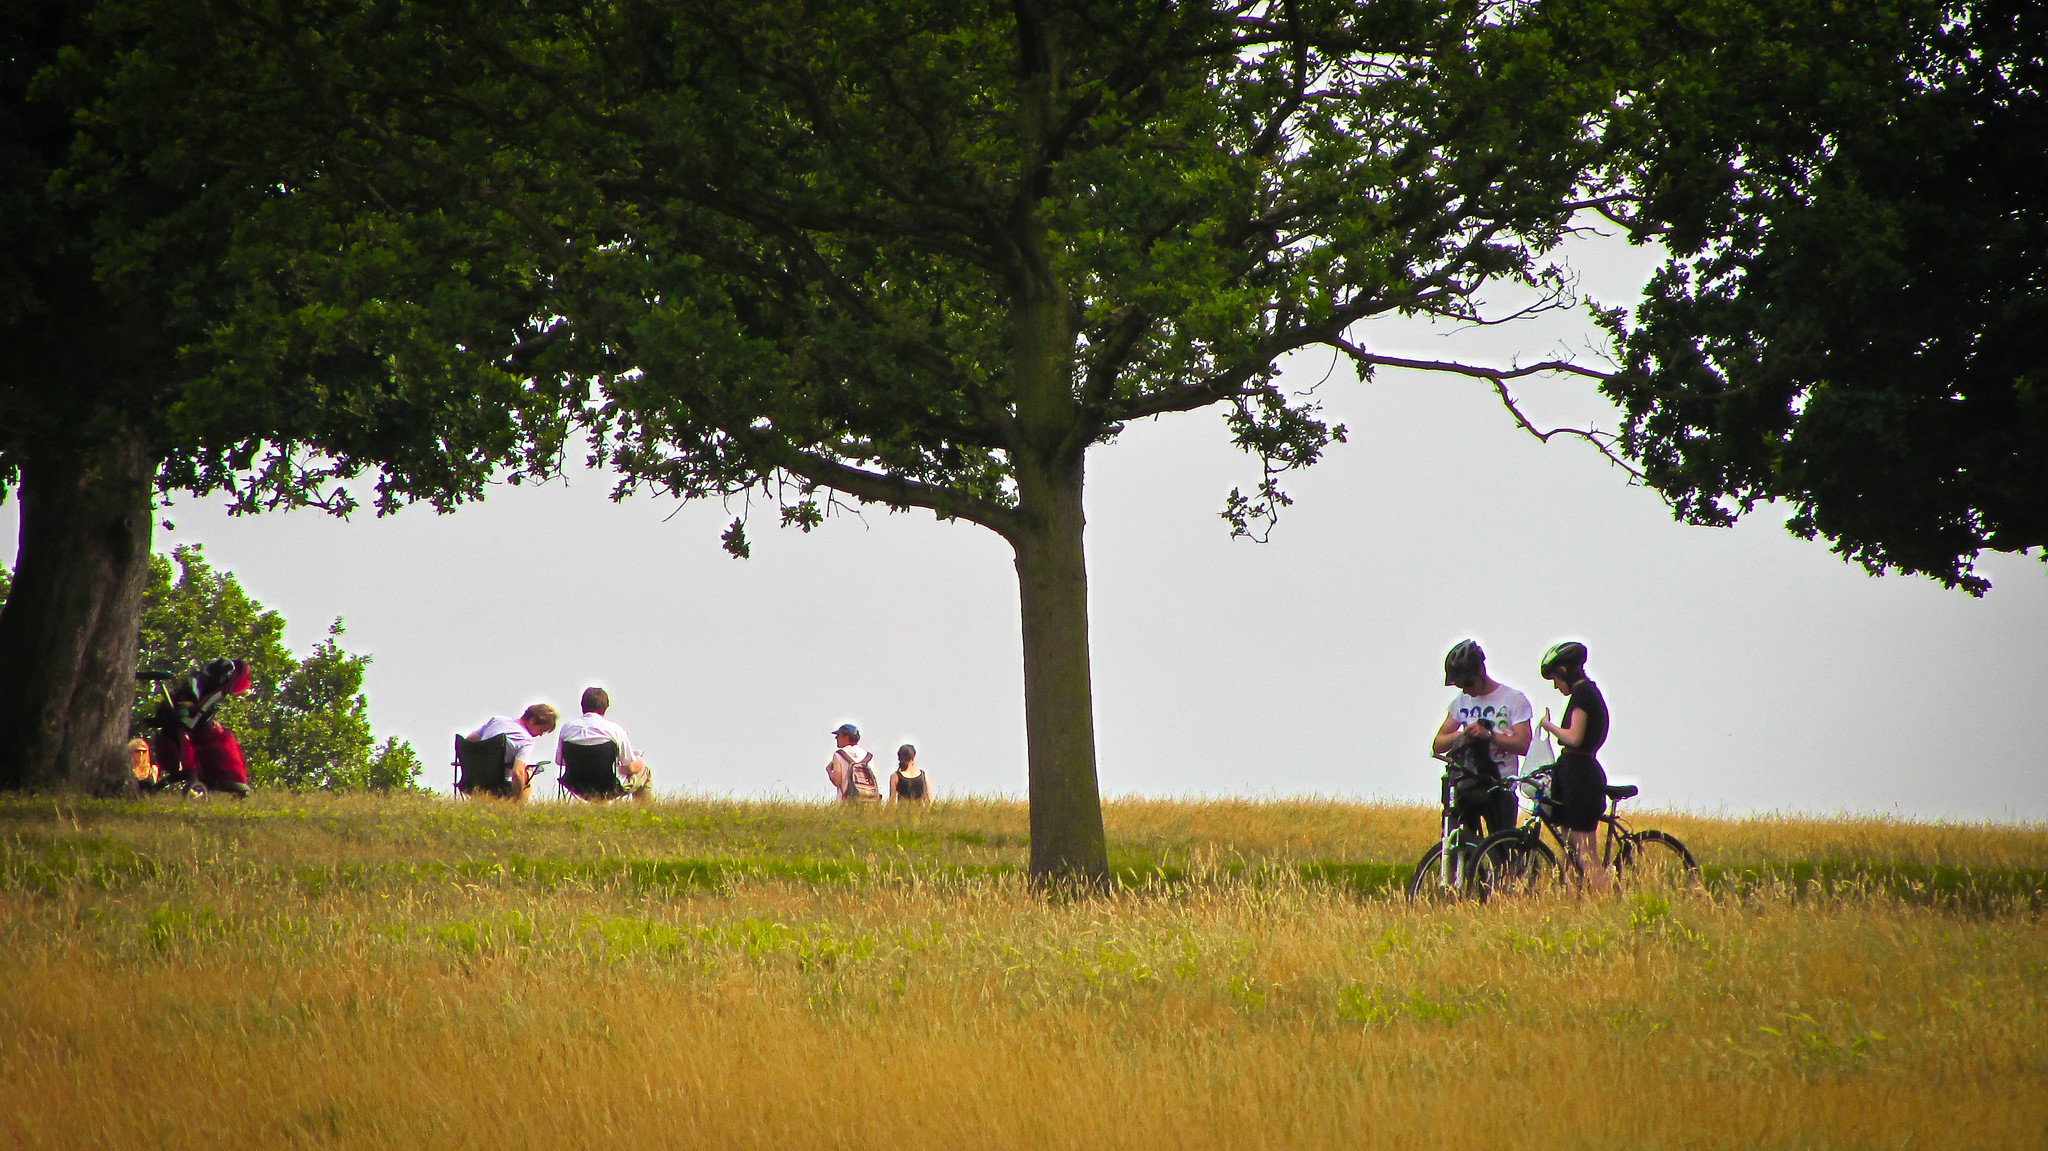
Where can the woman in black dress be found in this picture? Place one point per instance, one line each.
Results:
(1579, 786)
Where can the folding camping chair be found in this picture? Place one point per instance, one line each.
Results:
(588, 772)
(480, 766)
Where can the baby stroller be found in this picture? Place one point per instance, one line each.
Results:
(191, 750)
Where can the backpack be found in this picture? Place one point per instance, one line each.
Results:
(1474, 774)
(860, 779)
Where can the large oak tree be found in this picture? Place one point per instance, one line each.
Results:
(932, 254)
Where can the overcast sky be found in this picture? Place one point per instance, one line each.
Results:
(1747, 670)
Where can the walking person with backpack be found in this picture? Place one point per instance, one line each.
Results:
(852, 767)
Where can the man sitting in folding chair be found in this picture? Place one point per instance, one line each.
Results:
(598, 760)
(497, 758)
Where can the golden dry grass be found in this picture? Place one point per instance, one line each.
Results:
(305, 971)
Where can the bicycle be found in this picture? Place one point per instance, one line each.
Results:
(1444, 873)
(1518, 862)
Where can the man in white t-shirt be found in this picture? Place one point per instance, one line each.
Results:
(1485, 715)
(593, 727)
(522, 737)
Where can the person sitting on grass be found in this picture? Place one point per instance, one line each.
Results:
(1578, 790)
(521, 739)
(593, 727)
(851, 768)
(909, 784)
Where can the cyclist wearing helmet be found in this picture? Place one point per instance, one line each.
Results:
(1491, 719)
(1579, 787)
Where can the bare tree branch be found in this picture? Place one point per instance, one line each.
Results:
(1476, 371)
(1604, 442)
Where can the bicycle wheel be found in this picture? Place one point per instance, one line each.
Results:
(1515, 863)
(1427, 883)
(1653, 860)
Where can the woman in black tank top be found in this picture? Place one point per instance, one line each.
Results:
(909, 784)
(1579, 784)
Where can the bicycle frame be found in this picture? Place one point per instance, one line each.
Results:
(1617, 828)
(1452, 838)
(1450, 860)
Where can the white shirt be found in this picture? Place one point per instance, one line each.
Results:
(518, 744)
(1503, 707)
(595, 728)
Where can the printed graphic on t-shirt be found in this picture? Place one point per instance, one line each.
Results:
(1501, 709)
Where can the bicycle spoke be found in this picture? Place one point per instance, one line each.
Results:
(1432, 882)
(1512, 865)
(1655, 861)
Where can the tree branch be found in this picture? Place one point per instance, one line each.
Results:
(1499, 377)
(895, 491)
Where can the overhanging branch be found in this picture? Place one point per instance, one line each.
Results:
(897, 491)
(1604, 442)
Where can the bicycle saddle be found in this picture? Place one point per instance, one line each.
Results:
(1621, 791)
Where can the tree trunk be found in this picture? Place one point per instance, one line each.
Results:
(1067, 844)
(68, 631)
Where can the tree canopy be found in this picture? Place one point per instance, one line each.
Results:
(1855, 318)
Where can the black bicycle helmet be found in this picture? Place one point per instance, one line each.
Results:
(1463, 662)
(1567, 658)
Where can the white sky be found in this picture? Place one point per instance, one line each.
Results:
(1747, 670)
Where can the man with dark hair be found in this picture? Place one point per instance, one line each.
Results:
(593, 727)
(1488, 727)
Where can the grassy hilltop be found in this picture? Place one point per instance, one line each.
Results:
(356, 972)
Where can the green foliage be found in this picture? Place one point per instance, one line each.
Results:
(913, 252)
(1852, 320)
(304, 722)
(201, 614)
(177, 262)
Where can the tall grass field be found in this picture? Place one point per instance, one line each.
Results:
(311, 971)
